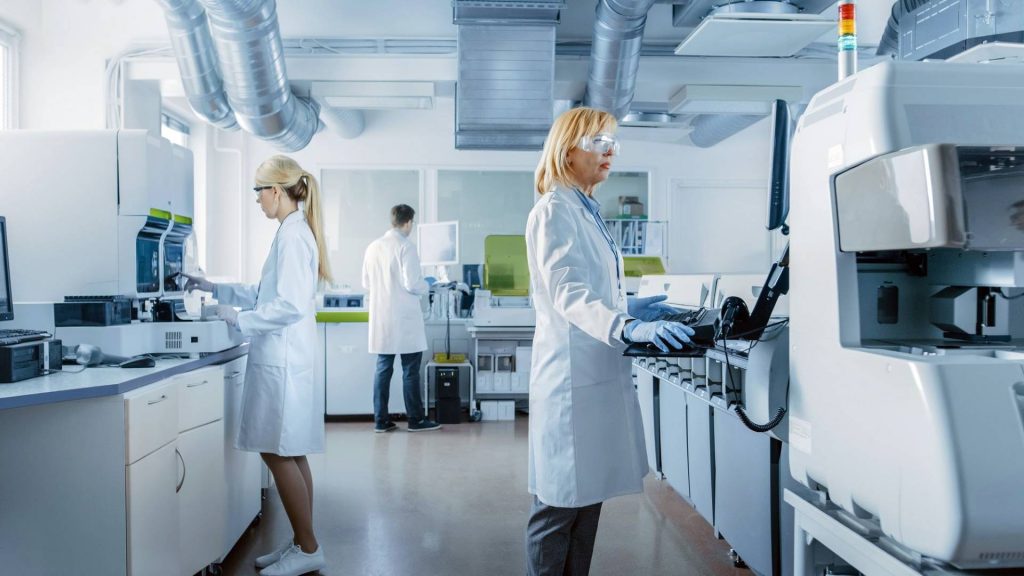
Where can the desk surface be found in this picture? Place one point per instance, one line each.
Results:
(95, 382)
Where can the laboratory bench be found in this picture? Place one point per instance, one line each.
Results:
(126, 471)
(732, 476)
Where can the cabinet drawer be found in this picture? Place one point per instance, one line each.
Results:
(235, 369)
(200, 397)
(151, 418)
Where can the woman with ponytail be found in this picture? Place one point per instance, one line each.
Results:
(282, 416)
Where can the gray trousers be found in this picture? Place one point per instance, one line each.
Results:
(560, 541)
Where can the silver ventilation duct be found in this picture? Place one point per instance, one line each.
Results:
(197, 61)
(505, 91)
(251, 57)
(710, 129)
(615, 54)
(344, 122)
(890, 42)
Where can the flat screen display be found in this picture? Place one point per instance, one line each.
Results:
(6, 300)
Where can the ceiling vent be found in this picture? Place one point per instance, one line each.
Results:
(759, 28)
(731, 99)
(504, 96)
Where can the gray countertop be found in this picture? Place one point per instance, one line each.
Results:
(96, 382)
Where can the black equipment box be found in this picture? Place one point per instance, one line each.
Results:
(449, 401)
(29, 359)
(446, 382)
(92, 311)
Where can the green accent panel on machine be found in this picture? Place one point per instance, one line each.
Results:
(506, 272)
(637, 266)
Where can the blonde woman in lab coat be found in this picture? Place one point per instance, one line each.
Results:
(282, 417)
(586, 436)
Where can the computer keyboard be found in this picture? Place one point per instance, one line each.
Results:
(11, 336)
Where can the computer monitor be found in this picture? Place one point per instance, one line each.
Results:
(778, 191)
(439, 243)
(6, 300)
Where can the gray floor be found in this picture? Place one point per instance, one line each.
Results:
(455, 502)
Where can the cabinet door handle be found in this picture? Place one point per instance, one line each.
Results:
(197, 385)
(157, 401)
(235, 374)
(183, 472)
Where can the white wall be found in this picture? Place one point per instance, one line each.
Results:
(424, 140)
(66, 44)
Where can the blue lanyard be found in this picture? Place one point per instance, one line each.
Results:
(604, 232)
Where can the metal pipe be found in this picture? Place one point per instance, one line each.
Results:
(615, 54)
(197, 62)
(251, 56)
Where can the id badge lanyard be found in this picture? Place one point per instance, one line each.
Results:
(604, 232)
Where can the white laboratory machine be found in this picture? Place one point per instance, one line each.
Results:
(907, 369)
(110, 215)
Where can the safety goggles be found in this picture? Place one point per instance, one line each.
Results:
(258, 189)
(602, 144)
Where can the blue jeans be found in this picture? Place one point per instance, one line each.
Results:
(410, 387)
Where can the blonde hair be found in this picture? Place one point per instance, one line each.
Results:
(564, 136)
(284, 173)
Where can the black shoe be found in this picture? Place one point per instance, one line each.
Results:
(424, 425)
(385, 428)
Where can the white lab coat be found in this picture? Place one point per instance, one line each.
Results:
(281, 412)
(391, 273)
(586, 433)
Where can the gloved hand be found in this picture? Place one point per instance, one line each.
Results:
(650, 308)
(660, 333)
(430, 280)
(228, 314)
(197, 283)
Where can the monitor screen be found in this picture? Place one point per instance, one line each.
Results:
(439, 243)
(6, 300)
(778, 190)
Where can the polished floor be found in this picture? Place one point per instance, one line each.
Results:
(455, 502)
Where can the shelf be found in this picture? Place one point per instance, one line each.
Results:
(502, 395)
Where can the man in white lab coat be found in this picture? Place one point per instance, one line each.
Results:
(391, 273)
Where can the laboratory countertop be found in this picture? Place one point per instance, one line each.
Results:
(96, 382)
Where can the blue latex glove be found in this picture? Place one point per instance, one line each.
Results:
(650, 308)
(660, 333)
(430, 280)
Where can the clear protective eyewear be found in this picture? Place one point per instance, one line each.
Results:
(602, 144)
(259, 189)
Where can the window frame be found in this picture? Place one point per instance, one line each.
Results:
(10, 39)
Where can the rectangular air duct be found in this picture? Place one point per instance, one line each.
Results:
(504, 95)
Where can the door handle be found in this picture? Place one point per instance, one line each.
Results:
(158, 400)
(183, 472)
(204, 382)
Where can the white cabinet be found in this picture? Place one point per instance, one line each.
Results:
(152, 479)
(152, 506)
(241, 469)
(201, 497)
(350, 369)
(201, 491)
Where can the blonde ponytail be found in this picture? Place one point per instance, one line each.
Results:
(314, 216)
(300, 186)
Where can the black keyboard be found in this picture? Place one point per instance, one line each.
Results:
(11, 336)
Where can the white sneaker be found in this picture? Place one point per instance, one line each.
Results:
(295, 562)
(268, 559)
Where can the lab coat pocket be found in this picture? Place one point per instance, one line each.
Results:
(593, 361)
(268, 349)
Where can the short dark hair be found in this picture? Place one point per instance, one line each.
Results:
(401, 214)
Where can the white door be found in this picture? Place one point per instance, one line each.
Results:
(201, 498)
(153, 514)
(241, 469)
(350, 370)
